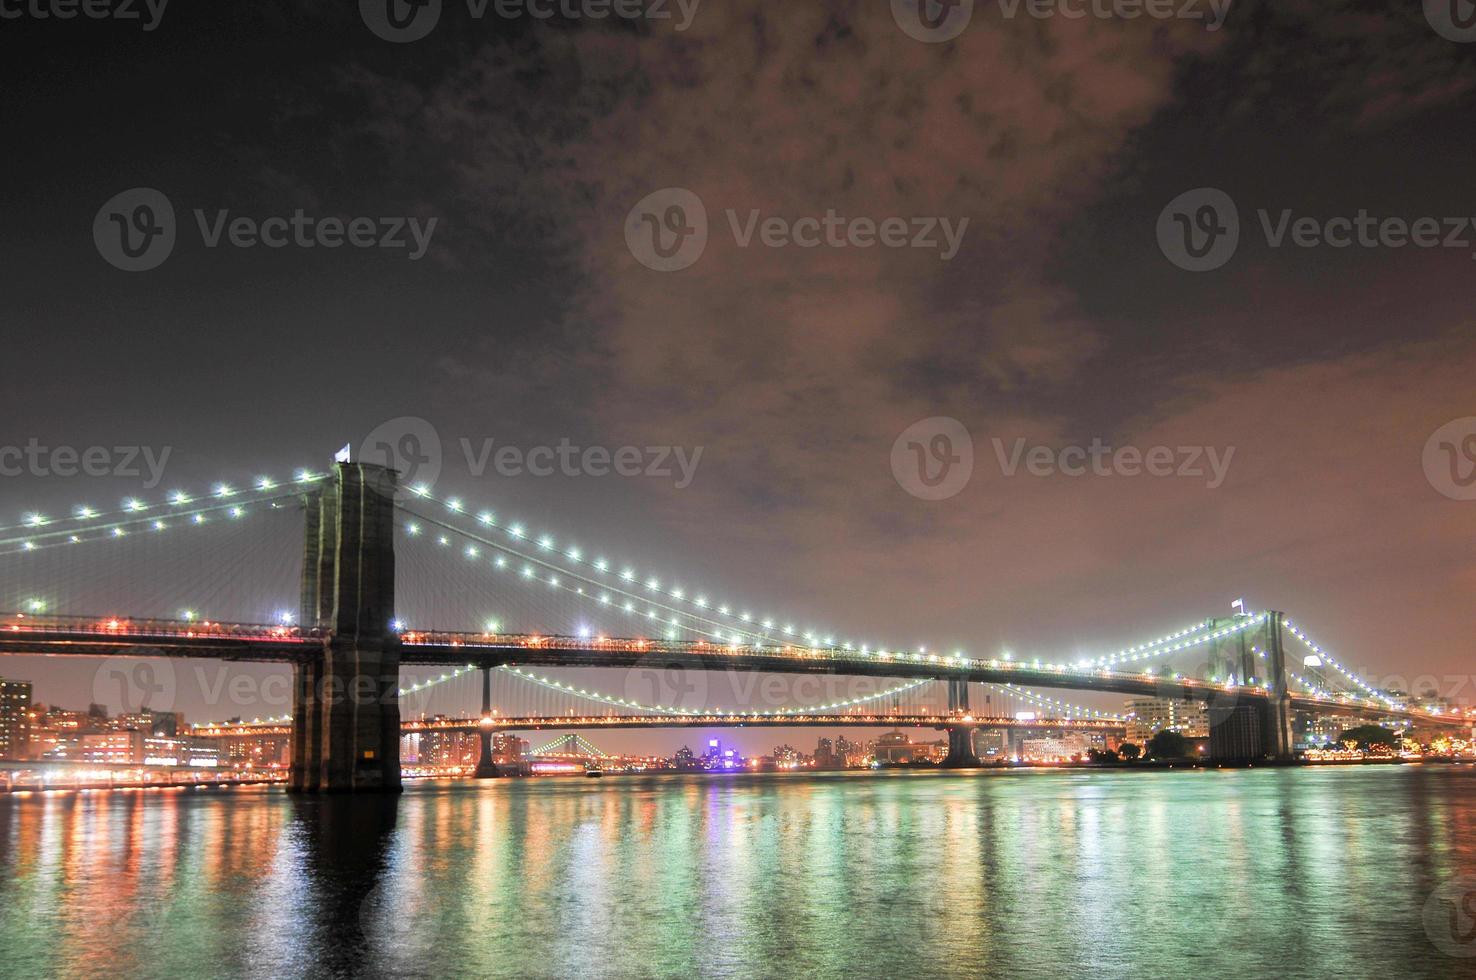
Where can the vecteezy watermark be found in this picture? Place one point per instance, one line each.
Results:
(1454, 20)
(136, 231)
(147, 12)
(668, 231)
(933, 21)
(136, 682)
(412, 446)
(1450, 918)
(1102, 460)
(654, 682)
(409, 445)
(34, 459)
(933, 459)
(936, 21)
(577, 461)
(1450, 459)
(402, 21)
(1200, 230)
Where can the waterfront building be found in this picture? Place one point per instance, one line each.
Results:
(15, 719)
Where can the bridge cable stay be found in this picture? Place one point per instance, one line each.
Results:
(136, 563)
(610, 592)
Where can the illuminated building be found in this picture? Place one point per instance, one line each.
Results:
(15, 719)
(895, 748)
(1056, 748)
(508, 749)
(991, 743)
(1148, 716)
(122, 747)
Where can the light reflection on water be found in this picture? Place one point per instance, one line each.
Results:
(1289, 872)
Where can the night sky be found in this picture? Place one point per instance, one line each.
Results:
(1320, 373)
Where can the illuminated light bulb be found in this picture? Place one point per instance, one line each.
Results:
(412, 528)
(76, 540)
(237, 512)
(160, 526)
(86, 512)
(492, 626)
(501, 562)
(454, 504)
(224, 490)
(443, 540)
(118, 532)
(133, 504)
(653, 584)
(486, 518)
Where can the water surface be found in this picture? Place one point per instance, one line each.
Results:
(1295, 873)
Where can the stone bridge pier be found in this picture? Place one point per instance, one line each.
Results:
(961, 753)
(346, 708)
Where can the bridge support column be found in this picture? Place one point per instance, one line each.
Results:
(1277, 720)
(346, 708)
(486, 766)
(961, 753)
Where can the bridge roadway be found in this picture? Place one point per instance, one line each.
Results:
(501, 723)
(100, 637)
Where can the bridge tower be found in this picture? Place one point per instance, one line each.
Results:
(961, 753)
(1277, 722)
(346, 708)
(486, 766)
(1256, 729)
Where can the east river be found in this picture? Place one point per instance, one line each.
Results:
(1315, 872)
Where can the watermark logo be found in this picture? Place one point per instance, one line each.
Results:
(1454, 20)
(1209, 463)
(1450, 459)
(409, 445)
(412, 447)
(400, 21)
(933, 459)
(135, 683)
(1199, 230)
(1450, 918)
(566, 459)
(667, 230)
(933, 21)
(149, 12)
(135, 230)
(656, 683)
(41, 461)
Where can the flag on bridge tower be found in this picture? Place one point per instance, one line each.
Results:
(344, 455)
(1238, 604)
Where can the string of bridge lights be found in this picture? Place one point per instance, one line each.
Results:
(1327, 658)
(670, 711)
(1174, 642)
(87, 523)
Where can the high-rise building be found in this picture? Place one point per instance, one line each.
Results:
(15, 719)
(1148, 716)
